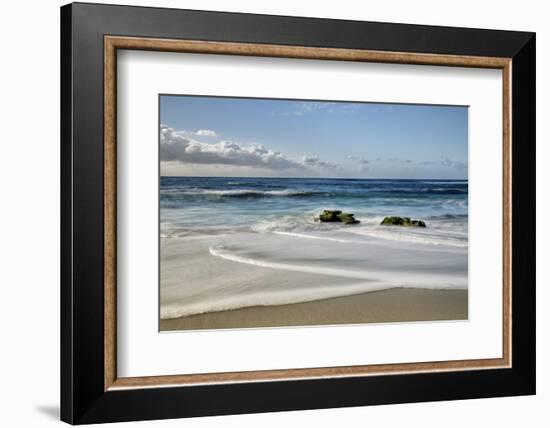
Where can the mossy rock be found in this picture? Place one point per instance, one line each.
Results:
(347, 218)
(337, 216)
(402, 221)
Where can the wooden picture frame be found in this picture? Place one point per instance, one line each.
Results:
(91, 390)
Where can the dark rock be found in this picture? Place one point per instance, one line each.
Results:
(327, 215)
(337, 216)
(402, 221)
(347, 218)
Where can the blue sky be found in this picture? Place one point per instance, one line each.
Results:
(217, 136)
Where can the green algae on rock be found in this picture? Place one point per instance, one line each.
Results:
(402, 221)
(337, 216)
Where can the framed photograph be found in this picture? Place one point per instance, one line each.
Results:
(266, 213)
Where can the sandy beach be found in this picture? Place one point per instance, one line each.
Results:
(395, 305)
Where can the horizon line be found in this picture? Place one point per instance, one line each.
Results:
(311, 178)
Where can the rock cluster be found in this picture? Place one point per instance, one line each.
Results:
(402, 221)
(337, 216)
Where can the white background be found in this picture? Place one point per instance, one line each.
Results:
(144, 352)
(29, 218)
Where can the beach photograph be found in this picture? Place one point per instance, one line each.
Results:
(290, 213)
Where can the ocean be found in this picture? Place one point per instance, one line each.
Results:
(195, 205)
(229, 243)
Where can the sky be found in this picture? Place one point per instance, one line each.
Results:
(250, 137)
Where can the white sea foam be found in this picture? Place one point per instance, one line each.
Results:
(436, 281)
(190, 237)
(239, 192)
(302, 270)
(271, 298)
(225, 253)
(391, 233)
(287, 223)
(323, 238)
(438, 232)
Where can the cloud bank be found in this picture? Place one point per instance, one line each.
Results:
(178, 147)
(444, 162)
(206, 133)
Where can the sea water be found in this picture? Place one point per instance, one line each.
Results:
(206, 205)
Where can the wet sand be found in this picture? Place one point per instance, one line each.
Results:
(394, 305)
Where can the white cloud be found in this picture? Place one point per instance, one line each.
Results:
(314, 161)
(206, 133)
(178, 147)
(453, 164)
(445, 161)
(364, 161)
(325, 106)
(311, 106)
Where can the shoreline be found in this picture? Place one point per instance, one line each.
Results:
(392, 305)
(266, 270)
